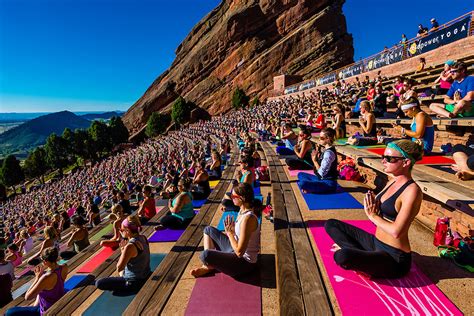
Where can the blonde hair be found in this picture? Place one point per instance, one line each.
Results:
(50, 232)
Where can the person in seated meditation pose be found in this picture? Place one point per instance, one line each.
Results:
(290, 139)
(47, 287)
(245, 175)
(235, 251)
(51, 239)
(368, 125)
(133, 265)
(117, 216)
(215, 169)
(464, 162)
(460, 96)
(325, 162)
(181, 210)
(303, 149)
(6, 280)
(14, 255)
(147, 208)
(388, 253)
(421, 128)
(202, 188)
(79, 239)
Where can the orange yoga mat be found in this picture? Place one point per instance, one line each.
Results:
(427, 160)
(96, 261)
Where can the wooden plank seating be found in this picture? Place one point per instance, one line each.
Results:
(154, 295)
(299, 281)
(74, 298)
(444, 191)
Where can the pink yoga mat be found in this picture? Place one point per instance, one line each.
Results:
(413, 294)
(222, 295)
(96, 261)
(294, 173)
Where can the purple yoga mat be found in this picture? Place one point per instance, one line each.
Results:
(222, 295)
(165, 235)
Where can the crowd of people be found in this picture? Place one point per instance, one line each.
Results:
(180, 166)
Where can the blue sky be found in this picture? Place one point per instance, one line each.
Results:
(85, 55)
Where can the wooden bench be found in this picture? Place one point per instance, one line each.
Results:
(154, 295)
(299, 281)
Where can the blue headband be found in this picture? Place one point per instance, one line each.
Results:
(392, 145)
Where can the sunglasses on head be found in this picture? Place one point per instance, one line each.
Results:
(391, 159)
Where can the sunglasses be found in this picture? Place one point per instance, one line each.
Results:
(235, 196)
(392, 159)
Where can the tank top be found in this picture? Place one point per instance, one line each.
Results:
(428, 136)
(187, 211)
(244, 175)
(387, 208)
(18, 260)
(28, 245)
(307, 157)
(138, 268)
(48, 297)
(253, 246)
(373, 131)
(80, 245)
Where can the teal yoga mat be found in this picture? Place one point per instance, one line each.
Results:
(109, 304)
(220, 226)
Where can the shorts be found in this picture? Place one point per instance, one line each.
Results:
(470, 113)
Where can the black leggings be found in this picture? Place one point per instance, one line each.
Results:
(361, 251)
(298, 164)
(119, 285)
(68, 254)
(173, 222)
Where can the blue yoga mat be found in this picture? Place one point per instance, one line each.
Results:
(256, 191)
(339, 200)
(198, 203)
(234, 215)
(166, 235)
(109, 304)
(74, 281)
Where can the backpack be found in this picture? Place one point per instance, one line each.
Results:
(347, 170)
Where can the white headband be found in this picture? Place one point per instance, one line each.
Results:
(408, 106)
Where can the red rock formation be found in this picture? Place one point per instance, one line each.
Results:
(245, 43)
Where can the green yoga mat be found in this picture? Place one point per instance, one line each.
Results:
(343, 141)
(109, 304)
(104, 231)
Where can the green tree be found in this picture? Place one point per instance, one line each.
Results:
(68, 136)
(118, 131)
(255, 101)
(11, 173)
(180, 110)
(100, 134)
(56, 152)
(35, 164)
(157, 124)
(239, 98)
(84, 145)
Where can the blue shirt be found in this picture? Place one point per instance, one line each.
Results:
(463, 87)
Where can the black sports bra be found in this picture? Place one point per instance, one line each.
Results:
(387, 208)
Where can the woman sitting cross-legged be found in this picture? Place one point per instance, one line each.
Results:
(324, 179)
(117, 216)
(235, 251)
(79, 239)
(181, 208)
(388, 253)
(303, 149)
(289, 138)
(133, 265)
(47, 287)
(245, 175)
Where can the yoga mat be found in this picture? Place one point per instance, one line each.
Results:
(166, 235)
(73, 282)
(220, 225)
(213, 183)
(294, 173)
(107, 229)
(24, 271)
(96, 261)
(222, 295)
(339, 200)
(426, 160)
(413, 294)
(198, 203)
(62, 261)
(109, 304)
(21, 290)
(256, 191)
(444, 168)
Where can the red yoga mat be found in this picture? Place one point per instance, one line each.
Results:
(222, 295)
(413, 294)
(96, 261)
(426, 160)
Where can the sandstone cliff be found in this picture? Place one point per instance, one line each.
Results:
(245, 43)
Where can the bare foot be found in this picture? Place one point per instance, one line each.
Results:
(159, 227)
(201, 271)
(335, 247)
(464, 175)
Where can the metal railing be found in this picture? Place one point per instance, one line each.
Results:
(397, 53)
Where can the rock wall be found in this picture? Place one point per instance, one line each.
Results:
(246, 43)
